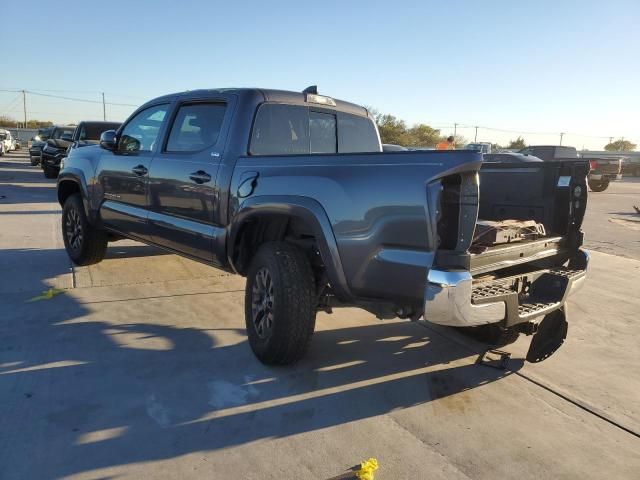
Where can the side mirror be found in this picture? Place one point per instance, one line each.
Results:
(67, 137)
(109, 140)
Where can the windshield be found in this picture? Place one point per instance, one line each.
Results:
(61, 131)
(93, 131)
(3, 136)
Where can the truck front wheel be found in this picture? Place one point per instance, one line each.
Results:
(50, 172)
(280, 304)
(598, 185)
(84, 243)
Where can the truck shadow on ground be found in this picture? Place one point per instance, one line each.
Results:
(85, 392)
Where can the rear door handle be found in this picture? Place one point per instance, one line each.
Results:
(140, 170)
(200, 177)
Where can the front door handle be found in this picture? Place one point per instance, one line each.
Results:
(140, 170)
(200, 177)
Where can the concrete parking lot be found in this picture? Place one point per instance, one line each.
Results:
(138, 367)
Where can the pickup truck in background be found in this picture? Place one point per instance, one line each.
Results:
(482, 147)
(37, 144)
(601, 170)
(55, 149)
(293, 191)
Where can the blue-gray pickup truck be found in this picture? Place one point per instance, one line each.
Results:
(293, 191)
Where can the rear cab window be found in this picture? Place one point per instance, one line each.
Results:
(281, 129)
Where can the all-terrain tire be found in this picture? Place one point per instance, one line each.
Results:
(33, 161)
(50, 172)
(598, 185)
(84, 243)
(285, 295)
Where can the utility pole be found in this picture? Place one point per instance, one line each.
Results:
(475, 139)
(561, 135)
(455, 130)
(24, 107)
(610, 139)
(104, 108)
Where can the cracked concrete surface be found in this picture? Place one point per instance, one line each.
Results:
(143, 371)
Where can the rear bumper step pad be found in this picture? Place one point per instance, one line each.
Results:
(530, 295)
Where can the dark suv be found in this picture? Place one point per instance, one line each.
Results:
(55, 149)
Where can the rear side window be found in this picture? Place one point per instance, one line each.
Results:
(280, 130)
(322, 133)
(196, 126)
(356, 134)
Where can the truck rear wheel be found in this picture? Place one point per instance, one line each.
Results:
(84, 243)
(598, 185)
(280, 304)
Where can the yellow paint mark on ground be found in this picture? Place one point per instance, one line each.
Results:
(46, 295)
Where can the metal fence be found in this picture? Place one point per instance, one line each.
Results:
(23, 134)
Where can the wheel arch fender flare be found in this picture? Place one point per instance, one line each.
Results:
(76, 177)
(306, 209)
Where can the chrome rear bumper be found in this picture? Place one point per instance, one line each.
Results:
(452, 297)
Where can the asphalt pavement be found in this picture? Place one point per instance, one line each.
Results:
(138, 367)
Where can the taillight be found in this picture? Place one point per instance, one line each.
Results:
(593, 164)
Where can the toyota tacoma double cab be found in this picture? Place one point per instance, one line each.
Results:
(293, 191)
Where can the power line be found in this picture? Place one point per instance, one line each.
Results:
(85, 100)
(11, 104)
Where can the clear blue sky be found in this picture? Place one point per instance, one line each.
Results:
(541, 66)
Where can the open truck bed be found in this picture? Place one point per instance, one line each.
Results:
(515, 284)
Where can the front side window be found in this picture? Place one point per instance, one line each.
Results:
(196, 127)
(141, 132)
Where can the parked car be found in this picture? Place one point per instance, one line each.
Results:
(390, 147)
(482, 147)
(86, 133)
(630, 165)
(7, 141)
(602, 170)
(59, 138)
(3, 144)
(37, 143)
(292, 191)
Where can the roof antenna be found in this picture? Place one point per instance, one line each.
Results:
(312, 89)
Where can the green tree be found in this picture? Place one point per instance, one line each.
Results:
(8, 122)
(620, 145)
(421, 135)
(518, 143)
(392, 130)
